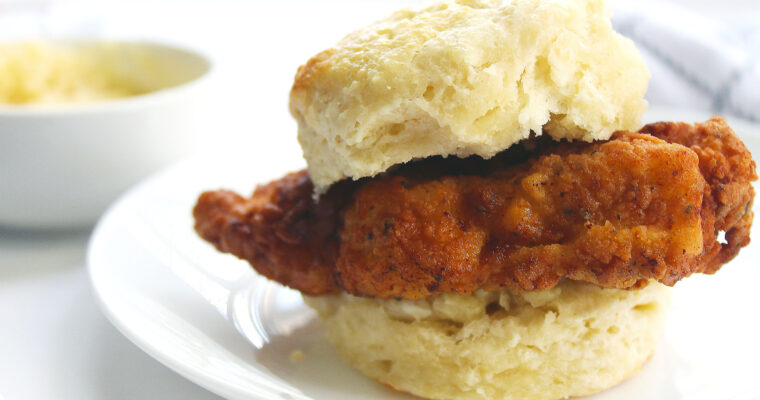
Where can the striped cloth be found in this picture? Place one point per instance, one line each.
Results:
(696, 61)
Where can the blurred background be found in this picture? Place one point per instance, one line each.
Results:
(702, 53)
(54, 343)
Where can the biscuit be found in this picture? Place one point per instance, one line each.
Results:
(465, 77)
(573, 340)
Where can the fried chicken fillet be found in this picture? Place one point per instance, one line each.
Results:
(617, 213)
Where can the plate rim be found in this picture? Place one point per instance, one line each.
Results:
(217, 387)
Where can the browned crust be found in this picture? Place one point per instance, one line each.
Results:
(614, 213)
(728, 168)
(305, 74)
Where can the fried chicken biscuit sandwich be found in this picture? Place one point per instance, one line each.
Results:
(483, 216)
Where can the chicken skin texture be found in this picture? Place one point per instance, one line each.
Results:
(617, 213)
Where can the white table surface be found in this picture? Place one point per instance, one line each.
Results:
(54, 342)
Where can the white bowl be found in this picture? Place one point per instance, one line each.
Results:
(61, 165)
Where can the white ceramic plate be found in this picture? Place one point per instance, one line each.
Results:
(212, 319)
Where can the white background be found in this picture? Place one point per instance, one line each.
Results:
(54, 343)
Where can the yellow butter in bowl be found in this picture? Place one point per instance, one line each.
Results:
(58, 73)
(82, 120)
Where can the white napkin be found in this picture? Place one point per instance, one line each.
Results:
(697, 61)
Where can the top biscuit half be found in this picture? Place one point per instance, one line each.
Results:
(465, 78)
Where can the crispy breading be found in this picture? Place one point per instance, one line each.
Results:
(615, 213)
(280, 230)
(728, 168)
